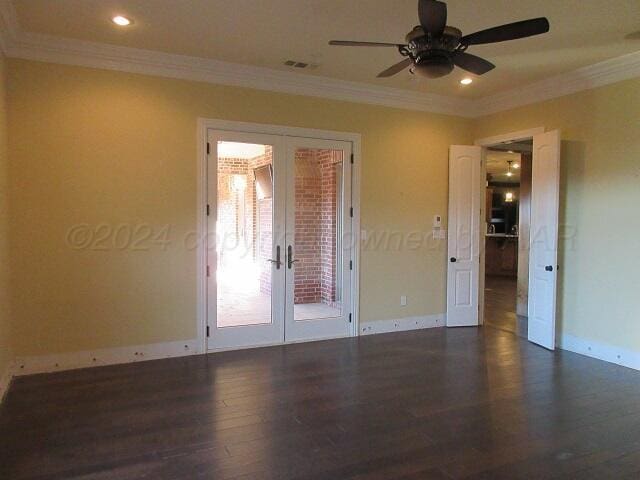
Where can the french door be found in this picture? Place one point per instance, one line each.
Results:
(278, 239)
(318, 233)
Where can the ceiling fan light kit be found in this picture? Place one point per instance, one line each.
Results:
(433, 49)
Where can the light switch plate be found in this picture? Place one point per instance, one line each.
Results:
(439, 234)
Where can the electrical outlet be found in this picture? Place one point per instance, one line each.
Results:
(403, 301)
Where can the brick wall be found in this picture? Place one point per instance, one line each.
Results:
(265, 242)
(307, 227)
(262, 219)
(234, 210)
(316, 225)
(330, 161)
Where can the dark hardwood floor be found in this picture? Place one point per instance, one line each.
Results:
(500, 302)
(432, 404)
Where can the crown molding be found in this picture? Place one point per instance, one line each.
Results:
(31, 46)
(593, 76)
(88, 54)
(19, 44)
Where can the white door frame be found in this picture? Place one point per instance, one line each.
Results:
(509, 137)
(205, 124)
(487, 142)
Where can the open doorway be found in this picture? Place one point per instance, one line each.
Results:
(506, 245)
(469, 223)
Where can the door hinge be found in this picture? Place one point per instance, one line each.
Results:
(208, 210)
(352, 159)
(351, 212)
(349, 318)
(208, 148)
(350, 264)
(208, 271)
(208, 331)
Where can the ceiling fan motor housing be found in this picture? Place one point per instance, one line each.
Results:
(433, 56)
(433, 64)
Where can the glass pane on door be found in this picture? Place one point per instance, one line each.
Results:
(319, 205)
(244, 234)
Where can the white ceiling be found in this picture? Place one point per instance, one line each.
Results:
(266, 34)
(498, 165)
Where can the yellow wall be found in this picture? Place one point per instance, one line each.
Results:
(5, 327)
(97, 147)
(100, 147)
(599, 287)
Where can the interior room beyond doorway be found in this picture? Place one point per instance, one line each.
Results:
(508, 212)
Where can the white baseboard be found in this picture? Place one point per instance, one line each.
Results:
(608, 353)
(113, 356)
(102, 357)
(5, 381)
(402, 324)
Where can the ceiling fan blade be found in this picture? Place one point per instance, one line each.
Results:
(472, 64)
(510, 31)
(397, 68)
(349, 43)
(433, 16)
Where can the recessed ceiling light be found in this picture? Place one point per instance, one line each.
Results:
(466, 81)
(121, 21)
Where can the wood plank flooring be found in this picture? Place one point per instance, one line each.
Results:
(500, 295)
(432, 404)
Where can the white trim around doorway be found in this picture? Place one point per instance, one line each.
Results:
(509, 137)
(515, 136)
(204, 125)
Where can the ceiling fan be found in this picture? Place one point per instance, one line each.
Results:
(433, 48)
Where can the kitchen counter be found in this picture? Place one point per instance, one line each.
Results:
(501, 254)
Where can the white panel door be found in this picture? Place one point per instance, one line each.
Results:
(543, 256)
(464, 235)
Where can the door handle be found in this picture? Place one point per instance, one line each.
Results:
(277, 260)
(290, 260)
(453, 259)
(549, 268)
